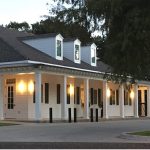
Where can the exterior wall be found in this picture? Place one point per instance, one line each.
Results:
(86, 54)
(69, 50)
(46, 45)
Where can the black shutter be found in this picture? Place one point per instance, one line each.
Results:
(99, 97)
(41, 93)
(74, 95)
(117, 97)
(46, 93)
(58, 93)
(111, 97)
(145, 97)
(139, 101)
(68, 94)
(34, 94)
(95, 96)
(78, 95)
(92, 94)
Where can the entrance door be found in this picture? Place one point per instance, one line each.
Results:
(142, 102)
(10, 102)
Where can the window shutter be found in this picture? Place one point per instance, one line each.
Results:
(41, 93)
(111, 98)
(34, 94)
(92, 94)
(117, 97)
(78, 95)
(99, 97)
(46, 93)
(58, 93)
(68, 94)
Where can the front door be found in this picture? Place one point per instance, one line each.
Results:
(10, 112)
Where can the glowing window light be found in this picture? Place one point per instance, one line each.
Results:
(132, 95)
(21, 87)
(31, 87)
(71, 90)
(108, 93)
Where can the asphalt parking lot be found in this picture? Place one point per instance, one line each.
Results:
(84, 132)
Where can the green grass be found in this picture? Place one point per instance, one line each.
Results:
(142, 133)
(7, 124)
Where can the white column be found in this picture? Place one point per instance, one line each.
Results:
(86, 98)
(121, 100)
(1, 98)
(136, 101)
(37, 96)
(105, 100)
(148, 101)
(64, 99)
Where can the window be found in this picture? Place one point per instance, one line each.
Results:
(93, 55)
(10, 97)
(59, 47)
(68, 94)
(127, 99)
(58, 93)
(114, 97)
(77, 55)
(46, 93)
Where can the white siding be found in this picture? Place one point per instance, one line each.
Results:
(69, 50)
(86, 54)
(46, 45)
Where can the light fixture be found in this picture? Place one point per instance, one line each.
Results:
(132, 95)
(71, 89)
(21, 87)
(108, 93)
(31, 87)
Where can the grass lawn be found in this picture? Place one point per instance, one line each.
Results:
(142, 133)
(7, 124)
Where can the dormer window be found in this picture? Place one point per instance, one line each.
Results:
(93, 55)
(77, 54)
(59, 48)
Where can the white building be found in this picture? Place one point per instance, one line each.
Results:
(47, 71)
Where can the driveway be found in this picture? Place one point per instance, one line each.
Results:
(105, 131)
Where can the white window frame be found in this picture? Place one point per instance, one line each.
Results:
(59, 38)
(93, 47)
(77, 42)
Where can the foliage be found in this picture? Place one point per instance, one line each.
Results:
(24, 26)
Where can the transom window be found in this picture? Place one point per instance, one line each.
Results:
(93, 55)
(59, 46)
(77, 55)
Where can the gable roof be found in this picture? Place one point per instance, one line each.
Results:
(13, 49)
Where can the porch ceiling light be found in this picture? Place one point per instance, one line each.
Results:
(71, 89)
(132, 95)
(30, 87)
(108, 93)
(21, 87)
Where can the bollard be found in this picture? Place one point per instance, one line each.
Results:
(91, 114)
(75, 114)
(96, 115)
(69, 115)
(50, 115)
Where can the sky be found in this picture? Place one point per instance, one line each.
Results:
(23, 10)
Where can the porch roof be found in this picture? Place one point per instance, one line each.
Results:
(13, 49)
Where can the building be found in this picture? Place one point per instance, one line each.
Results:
(38, 72)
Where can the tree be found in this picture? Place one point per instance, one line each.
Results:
(125, 28)
(24, 26)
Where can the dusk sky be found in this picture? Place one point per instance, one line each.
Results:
(22, 10)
